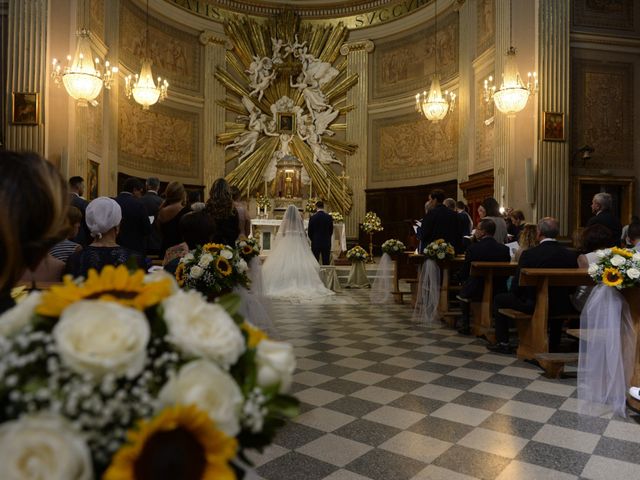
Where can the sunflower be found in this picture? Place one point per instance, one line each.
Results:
(223, 266)
(114, 284)
(180, 274)
(612, 277)
(182, 440)
(212, 247)
(247, 250)
(254, 335)
(623, 252)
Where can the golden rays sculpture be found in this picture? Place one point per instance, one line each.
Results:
(287, 83)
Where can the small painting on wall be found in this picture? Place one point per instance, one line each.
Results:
(553, 127)
(25, 109)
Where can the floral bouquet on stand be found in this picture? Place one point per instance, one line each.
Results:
(393, 247)
(337, 217)
(264, 205)
(125, 376)
(213, 270)
(440, 250)
(357, 254)
(310, 206)
(370, 225)
(616, 267)
(248, 248)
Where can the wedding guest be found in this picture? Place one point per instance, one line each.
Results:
(441, 222)
(169, 215)
(194, 200)
(103, 219)
(135, 226)
(152, 201)
(601, 208)
(625, 231)
(463, 210)
(65, 248)
(450, 203)
(33, 207)
(527, 239)
(633, 234)
(244, 219)
(76, 192)
(516, 224)
(225, 216)
(492, 210)
(196, 229)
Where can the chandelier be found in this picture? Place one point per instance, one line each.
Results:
(143, 87)
(434, 106)
(83, 77)
(512, 95)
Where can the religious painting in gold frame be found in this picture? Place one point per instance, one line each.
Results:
(553, 127)
(286, 122)
(93, 180)
(26, 109)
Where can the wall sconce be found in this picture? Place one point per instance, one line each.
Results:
(585, 152)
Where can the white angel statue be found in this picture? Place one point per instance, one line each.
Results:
(321, 154)
(258, 123)
(313, 97)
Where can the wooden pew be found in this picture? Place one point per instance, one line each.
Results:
(444, 306)
(402, 270)
(482, 312)
(532, 329)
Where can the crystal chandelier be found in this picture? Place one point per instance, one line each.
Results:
(142, 87)
(434, 105)
(512, 95)
(83, 77)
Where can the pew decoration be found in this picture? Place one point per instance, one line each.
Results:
(440, 250)
(357, 275)
(383, 284)
(248, 248)
(370, 225)
(124, 372)
(393, 247)
(607, 334)
(337, 217)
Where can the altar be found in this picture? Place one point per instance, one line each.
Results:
(267, 229)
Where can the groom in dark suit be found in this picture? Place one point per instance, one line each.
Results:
(320, 232)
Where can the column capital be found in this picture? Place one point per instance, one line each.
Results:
(208, 37)
(366, 45)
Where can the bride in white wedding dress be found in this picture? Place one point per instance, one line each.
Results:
(291, 271)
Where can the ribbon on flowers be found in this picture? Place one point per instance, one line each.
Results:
(426, 309)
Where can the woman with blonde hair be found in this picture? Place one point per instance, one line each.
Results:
(33, 209)
(171, 211)
(528, 238)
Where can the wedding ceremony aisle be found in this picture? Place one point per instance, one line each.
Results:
(386, 399)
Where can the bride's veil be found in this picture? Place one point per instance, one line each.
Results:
(291, 225)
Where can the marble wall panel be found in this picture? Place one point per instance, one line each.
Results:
(162, 141)
(602, 111)
(404, 64)
(177, 55)
(96, 17)
(484, 130)
(407, 147)
(95, 130)
(486, 25)
(617, 16)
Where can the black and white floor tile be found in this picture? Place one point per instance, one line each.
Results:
(386, 399)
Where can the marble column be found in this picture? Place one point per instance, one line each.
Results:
(27, 69)
(552, 177)
(213, 114)
(466, 90)
(357, 54)
(504, 126)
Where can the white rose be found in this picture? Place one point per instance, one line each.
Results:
(617, 260)
(202, 329)
(633, 273)
(441, 255)
(187, 258)
(603, 253)
(242, 243)
(162, 275)
(43, 447)
(636, 257)
(593, 269)
(97, 338)
(241, 265)
(226, 254)
(19, 316)
(196, 272)
(205, 385)
(205, 260)
(276, 363)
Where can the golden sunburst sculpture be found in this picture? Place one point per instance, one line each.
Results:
(288, 85)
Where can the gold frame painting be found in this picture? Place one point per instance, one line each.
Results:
(553, 127)
(26, 108)
(93, 180)
(286, 122)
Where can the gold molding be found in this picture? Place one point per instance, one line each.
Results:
(208, 37)
(366, 45)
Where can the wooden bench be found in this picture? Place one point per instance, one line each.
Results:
(482, 312)
(444, 304)
(553, 363)
(402, 270)
(532, 328)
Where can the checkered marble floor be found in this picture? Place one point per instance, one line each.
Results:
(386, 399)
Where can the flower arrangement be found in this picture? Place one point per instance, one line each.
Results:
(440, 250)
(616, 267)
(125, 373)
(357, 254)
(337, 217)
(212, 269)
(393, 246)
(263, 203)
(310, 206)
(248, 248)
(372, 223)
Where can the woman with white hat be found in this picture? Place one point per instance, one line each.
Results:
(103, 216)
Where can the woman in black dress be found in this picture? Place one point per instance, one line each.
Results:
(224, 214)
(169, 215)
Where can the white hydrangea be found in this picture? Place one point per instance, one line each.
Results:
(19, 316)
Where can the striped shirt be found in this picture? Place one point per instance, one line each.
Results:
(63, 250)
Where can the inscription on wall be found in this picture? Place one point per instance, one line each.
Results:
(405, 64)
(408, 147)
(162, 140)
(602, 112)
(176, 55)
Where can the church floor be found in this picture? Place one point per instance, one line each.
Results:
(386, 399)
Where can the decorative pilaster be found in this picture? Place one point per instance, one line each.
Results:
(214, 115)
(27, 69)
(552, 177)
(504, 130)
(465, 91)
(357, 54)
